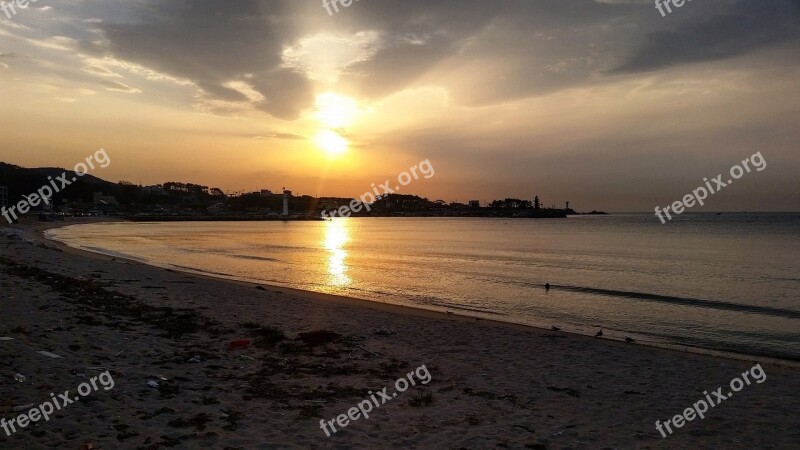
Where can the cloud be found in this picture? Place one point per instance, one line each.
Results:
(276, 135)
(102, 71)
(741, 27)
(6, 56)
(273, 56)
(214, 44)
(119, 87)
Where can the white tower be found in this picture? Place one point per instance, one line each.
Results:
(286, 194)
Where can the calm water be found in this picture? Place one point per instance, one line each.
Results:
(726, 282)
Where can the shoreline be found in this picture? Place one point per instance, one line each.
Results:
(39, 234)
(165, 337)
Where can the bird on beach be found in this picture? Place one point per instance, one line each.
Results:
(547, 287)
(599, 334)
(629, 339)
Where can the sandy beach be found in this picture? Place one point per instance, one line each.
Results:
(298, 358)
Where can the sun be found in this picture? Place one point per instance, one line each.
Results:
(331, 142)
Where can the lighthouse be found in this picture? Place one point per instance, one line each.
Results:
(286, 194)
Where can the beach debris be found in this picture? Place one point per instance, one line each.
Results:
(19, 377)
(195, 359)
(261, 288)
(554, 328)
(629, 339)
(22, 407)
(152, 383)
(239, 343)
(5, 338)
(87, 446)
(265, 337)
(370, 353)
(51, 355)
(318, 338)
(383, 331)
(421, 400)
(599, 334)
(525, 428)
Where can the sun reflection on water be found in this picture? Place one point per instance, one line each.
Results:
(336, 236)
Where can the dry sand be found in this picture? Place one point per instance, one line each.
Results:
(493, 385)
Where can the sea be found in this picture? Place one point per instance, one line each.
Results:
(724, 283)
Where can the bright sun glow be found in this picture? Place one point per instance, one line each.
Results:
(331, 142)
(336, 111)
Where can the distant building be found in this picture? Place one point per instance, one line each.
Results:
(329, 204)
(216, 208)
(47, 205)
(155, 189)
(266, 193)
(286, 194)
(474, 203)
(98, 197)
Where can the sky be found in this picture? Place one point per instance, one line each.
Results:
(603, 103)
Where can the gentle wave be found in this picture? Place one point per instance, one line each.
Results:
(684, 301)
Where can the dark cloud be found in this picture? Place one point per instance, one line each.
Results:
(499, 51)
(213, 43)
(504, 49)
(720, 33)
(494, 51)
